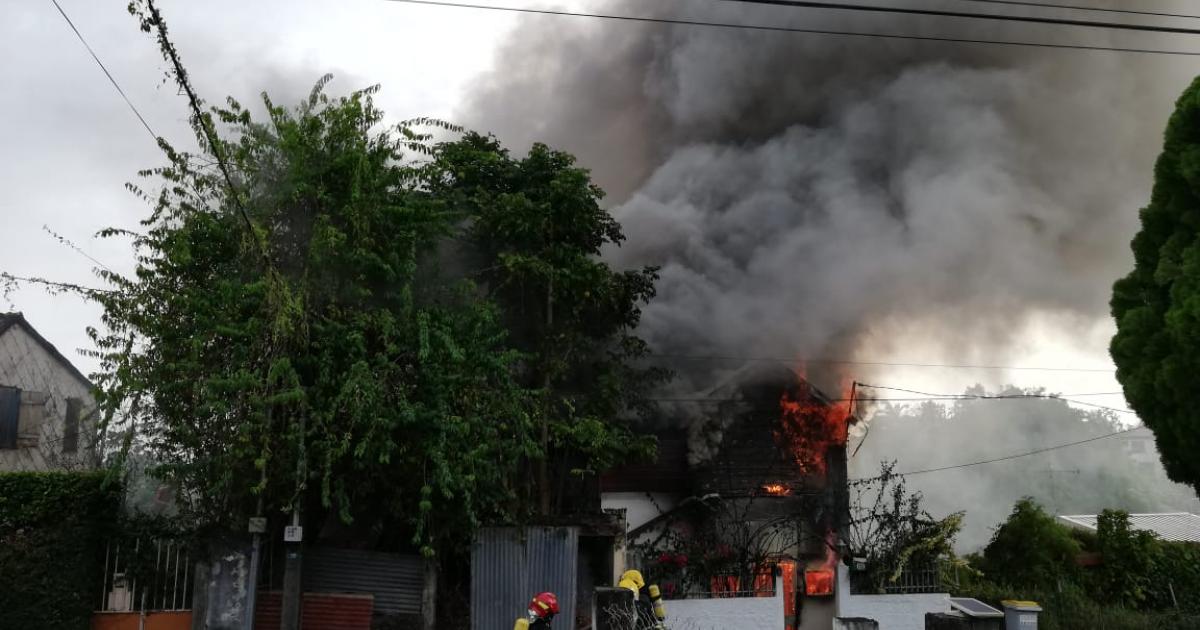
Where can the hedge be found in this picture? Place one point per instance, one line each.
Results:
(53, 527)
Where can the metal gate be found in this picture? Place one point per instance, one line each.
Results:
(509, 566)
(142, 575)
(395, 580)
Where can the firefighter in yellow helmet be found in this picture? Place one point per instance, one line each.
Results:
(650, 612)
(632, 580)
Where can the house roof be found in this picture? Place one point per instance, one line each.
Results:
(1171, 526)
(8, 320)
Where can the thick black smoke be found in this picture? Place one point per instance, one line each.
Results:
(803, 192)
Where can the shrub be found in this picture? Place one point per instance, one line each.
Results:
(52, 532)
(1030, 549)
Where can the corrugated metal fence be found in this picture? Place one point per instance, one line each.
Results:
(394, 579)
(509, 566)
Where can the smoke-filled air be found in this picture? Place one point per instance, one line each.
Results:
(822, 196)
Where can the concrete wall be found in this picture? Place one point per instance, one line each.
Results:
(818, 613)
(223, 595)
(743, 613)
(894, 612)
(45, 385)
(640, 507)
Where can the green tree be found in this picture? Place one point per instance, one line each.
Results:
(1030, 549)
(1129, 575)
(1157, 306)
(536, 228)
(284, 336)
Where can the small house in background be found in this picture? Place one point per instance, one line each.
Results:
(1138, 445)
(1171, 527)
(47, 411)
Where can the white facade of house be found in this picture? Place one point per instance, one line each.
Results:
(891, 612)
(743, 613)
(640, 507)
(56, 424)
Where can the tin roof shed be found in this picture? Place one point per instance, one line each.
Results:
(1170, 526)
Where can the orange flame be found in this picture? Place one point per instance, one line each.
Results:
(809, 426)
(819, 581)
(776, 490)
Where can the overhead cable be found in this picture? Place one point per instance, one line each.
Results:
(999, 397)
(1076, 7)
(106, 72)
(1029, 19)
(1011, 457)
(830, 361)
(788, 29)
(718, 400)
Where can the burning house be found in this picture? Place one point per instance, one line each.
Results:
(746, 501)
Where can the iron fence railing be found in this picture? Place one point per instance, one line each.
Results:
(143, 574)
(916, 577)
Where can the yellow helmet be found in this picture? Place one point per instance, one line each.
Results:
(629, 585)
(634, 576)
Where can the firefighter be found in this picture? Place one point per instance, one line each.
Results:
(650, 610)
(542, 609)
(632, 580)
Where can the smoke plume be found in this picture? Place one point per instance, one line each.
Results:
(802, 191)
(805, 194)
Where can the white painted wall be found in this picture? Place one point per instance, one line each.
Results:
(893, 612)
(25, 364)
(743, 613)
(640, 507)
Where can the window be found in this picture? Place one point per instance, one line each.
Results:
(70, 439)
(10, 411)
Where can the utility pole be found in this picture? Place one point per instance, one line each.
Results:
(293, 539)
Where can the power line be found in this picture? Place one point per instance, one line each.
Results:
(788, 29)
(1076, 7)
(867, 8)
(819, 361)
(106, 72)
(1013, 456)
(718, 400)
(66, 241)
(60, 286)
(915, 399)
(999, 397)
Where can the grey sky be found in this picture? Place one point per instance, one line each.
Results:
(68, 143)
